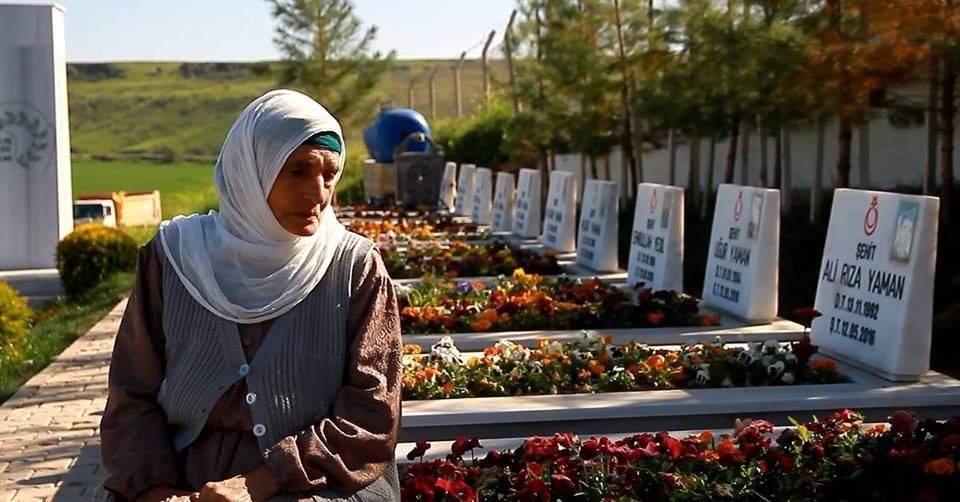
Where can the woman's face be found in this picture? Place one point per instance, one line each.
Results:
(304, 188)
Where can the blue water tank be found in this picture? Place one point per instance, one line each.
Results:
(390, 128)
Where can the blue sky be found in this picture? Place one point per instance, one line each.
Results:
(242, 30)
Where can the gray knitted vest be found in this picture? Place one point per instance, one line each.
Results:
(293, 378)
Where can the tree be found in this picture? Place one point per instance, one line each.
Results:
(327, 54)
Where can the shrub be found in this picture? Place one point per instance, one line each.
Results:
(478, 139)
(91, 253)
(15, 318)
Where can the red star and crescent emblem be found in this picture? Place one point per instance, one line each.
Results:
(738, 207)
(872, 218)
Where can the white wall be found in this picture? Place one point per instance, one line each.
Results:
(897, 157)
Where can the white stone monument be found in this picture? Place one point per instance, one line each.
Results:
(448, 187)
(656, 244)
(464, 203)
(742, 262)
(36, 201)
(599, 222)
(481, 210)
(526, 218)
(503, 201)
(875, 288)
(559, 224)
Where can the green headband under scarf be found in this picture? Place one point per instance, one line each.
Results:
(327, 139)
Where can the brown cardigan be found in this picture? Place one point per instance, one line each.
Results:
(137, 451)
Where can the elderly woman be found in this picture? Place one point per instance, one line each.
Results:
(259, 355)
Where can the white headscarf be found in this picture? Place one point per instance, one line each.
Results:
(240, 263)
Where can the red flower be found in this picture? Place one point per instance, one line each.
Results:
(562, 484)
(804, 349)
(806, 315)
(903, 422)
(458, 489)
(464, 444)
(566, 440)
(534, 490)
(950, 443)
(418, 489)
(589, 449)
(671, 445)
(671, 480)
(537, 447)
(492, 459)
(418, 450)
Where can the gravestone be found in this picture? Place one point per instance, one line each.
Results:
(482, 207)
(656, 244)
(875, 288)
(559, 225)
(503, 201)
(742, 261)
(526, 221)
(463, 206)
(448, 186)
(597, 237)
(36, 202)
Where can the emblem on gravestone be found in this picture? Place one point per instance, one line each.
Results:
(738, 207)
(653, 201)
(872, 218)
(667, 207)
(25, 137)
(756, 211)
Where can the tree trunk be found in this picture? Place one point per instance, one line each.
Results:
(778, 160)
(947, 113)
(764, 164)
(626, 139)
(708, 190)
(606, 167)
(638, 174)
(816, 188)
(693, 171)
(672, 146)
(863, 144)
(732, 148)
(745, 152)
(786, 190)
(593, 168)
(844, 140)
(930, 180)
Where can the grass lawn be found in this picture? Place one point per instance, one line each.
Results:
(56, 327)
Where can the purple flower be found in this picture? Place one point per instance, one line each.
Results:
(464, 287)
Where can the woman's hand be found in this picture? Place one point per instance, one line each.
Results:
(254, 486)
(161, 494)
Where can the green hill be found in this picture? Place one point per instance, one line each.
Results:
(182, 111)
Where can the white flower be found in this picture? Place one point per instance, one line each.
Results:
(787, 378)
(618, 369)
(589, 336)
(776, 368)
(445, 350)
(536, 367)
(791, 357)
(718, 341)
(703, 377)
(755, 346)
(770, 346)
(689, 345)
(555, 348)
(747, 357)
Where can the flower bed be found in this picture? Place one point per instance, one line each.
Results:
(461, 259)
(593, 364)
(390, 231)
(530, 302)
(834, 459)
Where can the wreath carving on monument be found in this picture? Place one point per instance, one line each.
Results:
(38, 135)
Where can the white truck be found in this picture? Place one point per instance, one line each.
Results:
(95, 211)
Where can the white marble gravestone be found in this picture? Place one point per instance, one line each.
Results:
(656, 244)
(742, 261)
(481, 210)
(559, 223)
(875, 288)
(448, 186)
(36, 201)
(503, 201)
(526, 218)
(463, 206)
(597, 237)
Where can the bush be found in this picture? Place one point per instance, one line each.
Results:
(478, 139)
(90, 254)
(15, 318)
